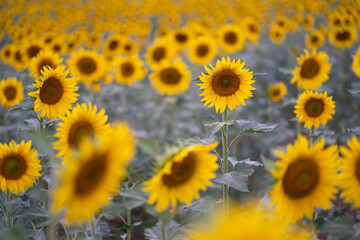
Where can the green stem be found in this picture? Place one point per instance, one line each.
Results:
(8, 210)
(129, 224)
(174, 117)
(41, 129)
(312, 137)
(6, 124)
(225, 164)
(124, 102)
(162, 228)
(52, 227)
(68, 237)
(92, 227)
(270, 116)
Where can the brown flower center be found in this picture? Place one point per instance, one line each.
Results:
(357, 170)
(51, 91)
(202, 50)
(230, 37)
(252, 28)
(310, 68)
(7, 53)
(170, 76)
(10, 93)
(127, 47)
(56, 48)
(79, 131)
(45, 62)
(225, 82)
(113, 44)
(13, 166)
(159, 54)
(181, 172)
(276, 92)
(48, 40)
(337, 22)
(90, 175)
(86, 65)
(301, 178)
(32, 51)
(314, 107)
(18, 56)
(343, 35)
(127, 69)
(314, 39)
(181, 37)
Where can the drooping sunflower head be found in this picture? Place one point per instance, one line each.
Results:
(226, 85)
(231, 38)
(83, 121)
(306, 178)
(19, 167)
(343, 37)
(11, 92)
(314, 108)
(202, 50)
(356, 63)
(129, 70)
(55, 93)
(182, 176)
(277, 92)
(315, 39)
(160, 51)
(171, 77)
(313, 70)
(42, 60)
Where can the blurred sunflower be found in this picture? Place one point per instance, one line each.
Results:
(182, 176)
(171, 77)
(343, 37)
(83, 121)
(58, 45)
(277, 92)
(308, 22)
(202, 50)
(313, 70)
(226, 85)
(315, 39)
(87, 66)
(72, 42)
(231, 38)
(6, 53)
(129, 70)
(129, 48)
(30, 49)
(93, 40)
(54, 93)
(159, 51)
(43, 59)
(112, 45)
(251, 28)
(350, 171)
(314, 108)
(93, 175)
(335, 20)
(11, 92)
(307, 178)
(19, 167)
(181, 37)
(18, 60)
(277, 34)
(356, 63)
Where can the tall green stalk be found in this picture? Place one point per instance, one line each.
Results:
(162, 229)
(225, 163)
(8, 210)
(312, 137)
(129, 224)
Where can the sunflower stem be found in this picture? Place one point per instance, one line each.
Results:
(174, 117)
(8, 210)
(68, 237)
(6, 131)
(162, 229)
(225, 164)
(92, 228)
(52, 227)
(124, 102)
(312, 137)
(270, 116)
(129, 224)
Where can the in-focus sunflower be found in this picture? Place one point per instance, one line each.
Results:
(11, 92)
(129, 70)
(83, 121)
(30, 49)
(307, 178)
(343, 37)
(171, 77)
(112, 45)
(231, 38)
(202, 50)
(161, 50)
(314, 108)
(55, 93)
(87, 66)
(356, 63)
(277, 34)
(226, 85)
(350, 171)
(6, 53)
(182, 176)
(19, 167)
(277, 91)
(313, 70)
(93, 175)
(315, 39)
(44, 59)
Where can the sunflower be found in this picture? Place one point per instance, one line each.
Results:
(356, 63)
(171, 77)
(11, 92)
(335, 20)
(312, 71)
(343, 37)
(83, 121)
(308, 22)
(6, 53)
(87, 66)
(315, 39)
(54, 93)
(307, 178)
(202, 50)
(19, 167)
(350, 171)
(93, 40)
(113, 45)
(182, 176)
(251, 28)
(43, 59)
(231, 38)
(314, 108)
(226, 85)
(161, 50)
(58, 46)
(18, 60)
(93, 175)
(128, 47)
(181, 38)
(277, 34)
(30, 49)
(277, 92)
(129, 70)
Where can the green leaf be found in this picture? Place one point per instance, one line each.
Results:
(249, 162)
(148, 146)
(111, 211)
(254, 127)
(204, 204)
(134, 197)
(354, 91)
(172, 229)
(259, 74)
(354, 131)
(237, 180)
(341, 228)
(212, 126)
(25, 105)
(15, 233)
(42, 143)
(269, 164)
(196, 80)
(286, 70)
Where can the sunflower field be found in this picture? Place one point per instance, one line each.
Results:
(180, 119)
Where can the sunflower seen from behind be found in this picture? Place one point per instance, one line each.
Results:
(313, 70)
(93, 175)
(19, 167)
(202, 50)
(44, 59)
(306, 178)
(11, 92)
(128, 70)
(231, 38)
(314, 108)
(226, 85)
(182, 176)
(55, 93)
(356, 63)
(277, 92)
(171, 77)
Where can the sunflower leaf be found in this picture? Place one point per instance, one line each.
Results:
(254, 127)
(341, 228)
(237, 180)
(259, 74)
(268, 163)
(212, 126)
(148, 146)
(196, 80)
(25, 105)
